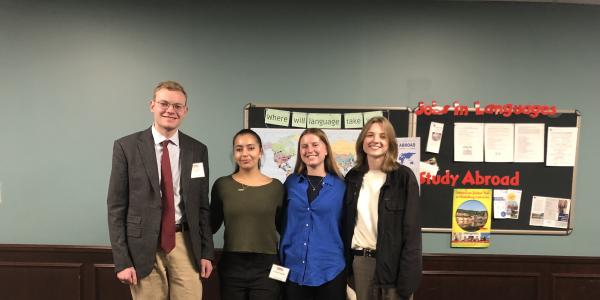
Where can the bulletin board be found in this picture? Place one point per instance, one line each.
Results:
(535, 179)
(280, 127)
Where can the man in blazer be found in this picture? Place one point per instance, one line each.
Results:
(160, 234)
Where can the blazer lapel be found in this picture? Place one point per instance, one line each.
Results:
(185, 156)
(148, 153)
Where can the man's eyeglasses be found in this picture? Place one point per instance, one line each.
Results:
(164, 105)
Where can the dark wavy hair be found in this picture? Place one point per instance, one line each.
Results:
(251, 132)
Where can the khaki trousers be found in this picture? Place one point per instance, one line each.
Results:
(364, 272)
(173, 276)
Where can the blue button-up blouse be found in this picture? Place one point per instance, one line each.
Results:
(311, 243)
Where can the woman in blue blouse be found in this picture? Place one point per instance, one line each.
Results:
(311, 244)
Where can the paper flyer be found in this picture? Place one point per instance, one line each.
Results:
(529, 142)
(507, 204)
(436, 130)
(429, 166)
(550, 212)
(468, 142)
(499, 142)
(562, 146)
(409, 153)
(471, 220)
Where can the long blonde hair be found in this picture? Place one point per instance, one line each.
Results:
(389, 161)
(330, 165)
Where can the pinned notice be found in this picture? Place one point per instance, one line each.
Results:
(436, 130)
(409, 153)
(277, 117)
(299, 119)
(353, 120)
(550, 212)
(369, 114)
(429, 167)
(529, 142)
(316, 120)
(499, 142)
(468, 142)
(562, 146)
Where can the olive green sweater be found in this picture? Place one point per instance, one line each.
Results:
(251, 214)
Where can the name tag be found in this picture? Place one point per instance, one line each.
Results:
(197, 170)
(279, 273)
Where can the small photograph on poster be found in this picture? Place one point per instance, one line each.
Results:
(471, 220)
(474, 239)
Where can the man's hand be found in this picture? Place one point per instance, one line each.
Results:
(127, 276)
(205, 268)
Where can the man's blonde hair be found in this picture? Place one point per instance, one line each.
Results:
(171, 86)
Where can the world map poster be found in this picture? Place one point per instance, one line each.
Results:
(280, 146)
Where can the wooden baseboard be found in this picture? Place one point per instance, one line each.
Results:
(87, 273)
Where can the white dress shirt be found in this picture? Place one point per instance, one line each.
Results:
(175, 166)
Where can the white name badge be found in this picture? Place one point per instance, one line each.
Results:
(279, 273)
(197, 170)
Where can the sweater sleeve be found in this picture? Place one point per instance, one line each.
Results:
(280, 210)
(216, 208)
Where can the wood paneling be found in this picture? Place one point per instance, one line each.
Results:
(471, 285)
(87, 273)
(527, 277)
(106, 286)
(575, 286)
(40, 280)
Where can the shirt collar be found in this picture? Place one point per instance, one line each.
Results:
(328, 180)
(159, 138)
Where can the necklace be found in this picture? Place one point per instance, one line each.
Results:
(243, 188)
(314, 188)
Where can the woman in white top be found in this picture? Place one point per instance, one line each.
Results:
(382, 223)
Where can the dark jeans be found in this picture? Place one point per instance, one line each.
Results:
(245, 276)
(332, 290)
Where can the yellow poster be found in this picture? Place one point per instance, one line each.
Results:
(471, 218)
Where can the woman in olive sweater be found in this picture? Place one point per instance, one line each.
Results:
(249, 204)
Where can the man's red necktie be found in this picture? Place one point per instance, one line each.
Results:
(167, 227)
